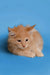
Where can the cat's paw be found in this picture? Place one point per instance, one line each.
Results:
(40, 54)
(33, 55)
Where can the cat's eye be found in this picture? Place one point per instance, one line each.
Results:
(26, 39)
(19, 40)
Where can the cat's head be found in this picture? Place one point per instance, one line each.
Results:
(21, 36)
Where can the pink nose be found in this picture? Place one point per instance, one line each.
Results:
(23, 45)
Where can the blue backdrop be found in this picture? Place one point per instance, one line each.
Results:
(14, 12)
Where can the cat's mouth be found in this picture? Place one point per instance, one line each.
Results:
(23, 47)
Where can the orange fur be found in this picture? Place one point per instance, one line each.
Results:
(25, 41)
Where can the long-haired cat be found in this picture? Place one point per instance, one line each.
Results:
(25, 41)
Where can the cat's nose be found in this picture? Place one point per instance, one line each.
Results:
(23, 45)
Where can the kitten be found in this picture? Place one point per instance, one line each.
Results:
(25, 41)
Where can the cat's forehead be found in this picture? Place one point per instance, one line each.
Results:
(22, 36)
(22, 33)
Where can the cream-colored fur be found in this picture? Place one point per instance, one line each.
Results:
(18, 45)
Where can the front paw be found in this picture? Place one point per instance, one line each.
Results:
(39, 54)
(32, 55)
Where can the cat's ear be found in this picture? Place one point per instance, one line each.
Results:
(29, 29)
(11, 31)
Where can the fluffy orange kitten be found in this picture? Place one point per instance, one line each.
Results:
(25, 41)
